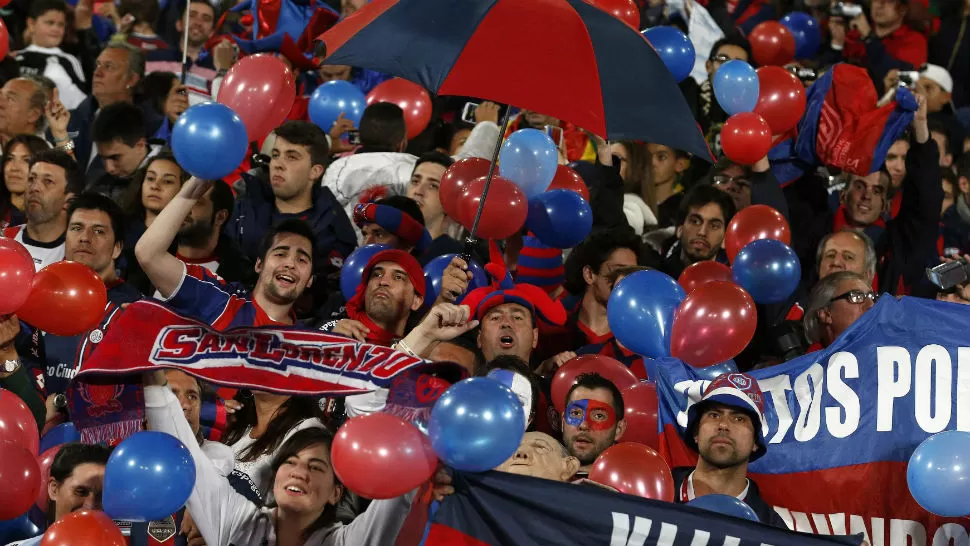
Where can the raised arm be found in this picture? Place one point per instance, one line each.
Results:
(163, 269)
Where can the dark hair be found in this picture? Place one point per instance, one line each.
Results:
(382, 127)
(34, 145)
(734, 40)
(937, 126)
(95, 201)
(594, 252)
(40, 7)
(131, 202)
(301, 440)
(74, 454)
(290, 225)
(222, 199)
(144, 11)
(75, 180)
(962, 165)
(521, 367)
(304, 133)
(119, 121)
(594, 380)
(216, 11)
(434, 156)
(404, 204)
(156, 87)
(637, 168)
(703, 195)
(290, 414)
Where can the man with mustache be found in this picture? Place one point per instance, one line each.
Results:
(726, 428)
(704, 216)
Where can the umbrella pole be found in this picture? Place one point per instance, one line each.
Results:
(185, 42)
(471, 241)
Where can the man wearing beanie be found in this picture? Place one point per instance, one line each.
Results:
(726, 429)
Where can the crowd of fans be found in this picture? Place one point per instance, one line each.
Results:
(90, 95)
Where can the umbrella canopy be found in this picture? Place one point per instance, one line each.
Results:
(563, 58)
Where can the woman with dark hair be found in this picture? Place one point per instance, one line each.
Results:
(639, 192)
(14, 169)
(152, 187)
(77, 478)
(264, 422)
(168, 97)
(304, 486)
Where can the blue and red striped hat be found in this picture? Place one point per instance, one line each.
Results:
(503, 291)
(540, 265)
(396, 221)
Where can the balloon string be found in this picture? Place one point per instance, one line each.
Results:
(471, 241)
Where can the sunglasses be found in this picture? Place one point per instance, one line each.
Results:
(856, 297)
(740, 181)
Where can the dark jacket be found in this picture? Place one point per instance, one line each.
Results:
(765, 513)
(950, 48)
(234, 266)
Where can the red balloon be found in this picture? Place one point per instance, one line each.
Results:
(84, 528)
(640, 410)
(772, 44)
(16, 272)
(714, 323)
(4, 35)
(701, 273)
(634, 469)
(624, 10)
(506, 208)
(781, 99)
(746, 138)
(612, 369)
(261, 90)
(456, 179)
(753, 223)
(381, 456)
(44, 463)
(568, 179)
(20, 477)
(17, 424)
(411, 97)
(66, 298)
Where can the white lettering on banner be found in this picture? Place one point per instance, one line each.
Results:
(933, 398)
(893, 374)
(692, 390)
(809, 415)
(902, 532)
(841, 365)
(776, 387)
(963, 388)
(621, 530)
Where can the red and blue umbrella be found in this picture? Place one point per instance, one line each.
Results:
(563, 58)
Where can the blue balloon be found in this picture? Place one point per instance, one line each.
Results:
(736, 87)
(61, 434)
(560, 218)
(333, 98)
(530, 159)
(640, 312)
(938, 474)
(768, 269)
(17, 529)
(725, 504)
(149, 476)
(674, 49)
(353, 268)
(434, 269)
(476, 424)
(712, 372)
(209, 140)
(807, 33)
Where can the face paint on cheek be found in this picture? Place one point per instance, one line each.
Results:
(597, 415)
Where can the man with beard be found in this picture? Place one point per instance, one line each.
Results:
(593, 419)
(726, 429)
(53, 181)
(704, 216)
(284, 266)
(202, 20)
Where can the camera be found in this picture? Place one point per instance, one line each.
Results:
(353, 137)
(468, 112)
(805, 74)
(908, 78)
(845, 9)
(948, 275)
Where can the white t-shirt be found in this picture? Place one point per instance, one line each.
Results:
(260, 471)
(43, 254)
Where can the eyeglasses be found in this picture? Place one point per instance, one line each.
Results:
(856, 297)
(721, 58)
(739, 181)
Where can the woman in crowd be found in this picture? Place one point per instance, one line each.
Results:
(256, 432)
(14, 169)
(303, 483)
(77, 478)
(639, 193)
(168, 97)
